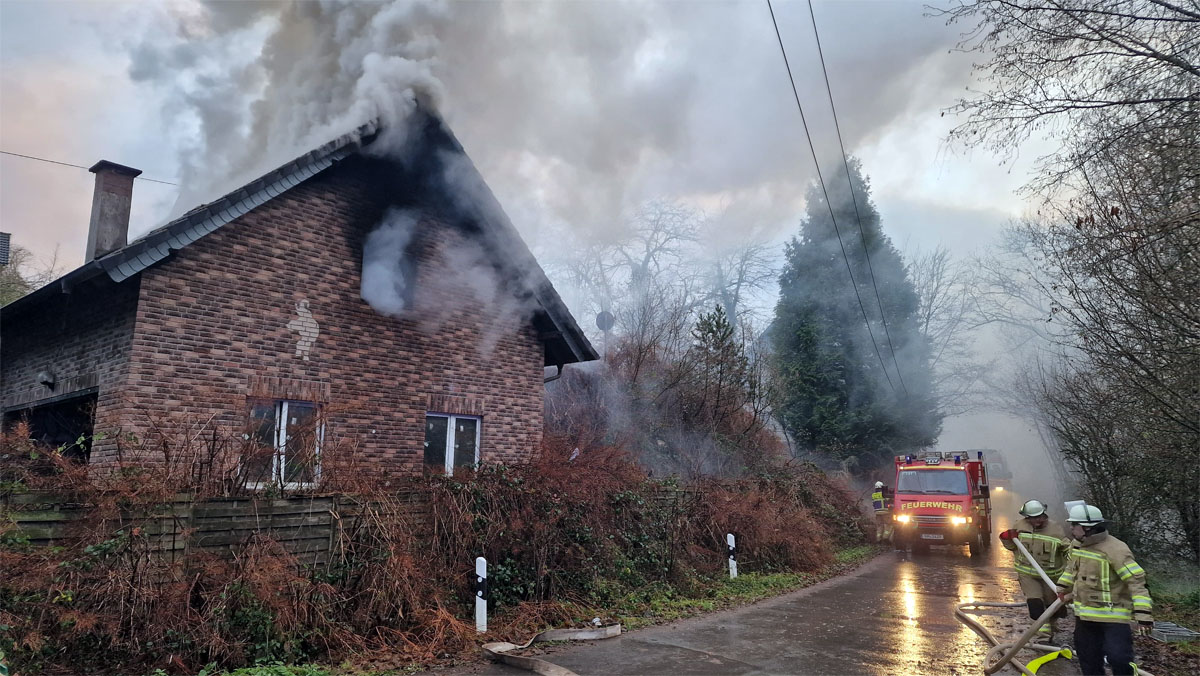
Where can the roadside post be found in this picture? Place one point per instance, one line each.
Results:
(481, 595)
(732, 546)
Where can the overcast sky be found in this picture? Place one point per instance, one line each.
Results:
(574, 112)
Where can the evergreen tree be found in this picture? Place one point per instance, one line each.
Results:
(835, 395)
(719, 382)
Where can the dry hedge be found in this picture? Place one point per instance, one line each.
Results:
(582, 530)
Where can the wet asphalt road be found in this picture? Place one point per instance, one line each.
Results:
(894, 615)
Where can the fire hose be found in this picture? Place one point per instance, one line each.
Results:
(504, 652)
(1001, 654)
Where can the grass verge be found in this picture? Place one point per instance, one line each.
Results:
(656, 604)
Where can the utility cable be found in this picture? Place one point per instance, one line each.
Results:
(846, 163)
(77, 166)
(821, 180)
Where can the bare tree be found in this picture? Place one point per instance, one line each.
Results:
(1113, 258)
(25, 273)
(687, 392)
(948, 317)
(739, 273)
(1091, 73)
(629, 277)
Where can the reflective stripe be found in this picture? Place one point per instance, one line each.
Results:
(1105, 582)
(1052, 573)
(1129, 570)
(1083, 554)
(1107, 613)
(1019, 559)
(1066, 580)
(1057, 542)
(1140, 602)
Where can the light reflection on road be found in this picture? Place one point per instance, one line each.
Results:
(894, 617)
(909, 646)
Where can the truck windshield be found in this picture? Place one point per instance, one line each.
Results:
(939, 482)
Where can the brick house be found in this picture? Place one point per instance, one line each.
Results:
(245, 318)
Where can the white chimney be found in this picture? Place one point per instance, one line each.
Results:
(109, 228)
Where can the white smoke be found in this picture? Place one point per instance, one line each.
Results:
(417, 266)
(576, 113)
(320, 70)
(386, 270)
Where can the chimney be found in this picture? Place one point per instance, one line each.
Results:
(109, 228)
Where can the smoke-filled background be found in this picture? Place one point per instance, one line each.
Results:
(604, 129)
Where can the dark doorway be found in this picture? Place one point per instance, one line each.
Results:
(65, 425)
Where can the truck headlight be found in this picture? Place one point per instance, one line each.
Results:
(958, 520)
(903, 518)
(999, 489)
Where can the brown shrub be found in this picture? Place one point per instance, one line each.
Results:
(579, 524)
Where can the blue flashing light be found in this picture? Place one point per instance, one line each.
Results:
(958, 460)
(979, 454)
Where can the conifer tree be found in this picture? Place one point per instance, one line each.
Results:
(839, 395)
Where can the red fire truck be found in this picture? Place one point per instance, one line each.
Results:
(942, 499)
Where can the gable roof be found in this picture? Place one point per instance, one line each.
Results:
(564, 341)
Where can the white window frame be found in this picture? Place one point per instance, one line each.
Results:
(450, 420)
(278, 461)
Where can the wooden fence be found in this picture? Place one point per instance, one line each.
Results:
(308, 526)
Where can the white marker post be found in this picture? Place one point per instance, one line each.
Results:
(481, 594)
(729, 540)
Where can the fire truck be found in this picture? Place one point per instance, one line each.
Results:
(1000, 477)
(942, 498)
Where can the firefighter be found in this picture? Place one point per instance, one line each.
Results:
(1108, 590)
(1048, 544)
(881, 502)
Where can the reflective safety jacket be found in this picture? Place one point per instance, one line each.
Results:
(1108, 585)
(877, 500)
(1049, 546)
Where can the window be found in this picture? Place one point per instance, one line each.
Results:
(932, 482)
(285, 443)
(64, 424)
(451, 441)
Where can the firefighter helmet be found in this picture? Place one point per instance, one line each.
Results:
(1085, 515)
(878, 484)
(1033, 508)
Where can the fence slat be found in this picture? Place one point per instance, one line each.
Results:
(309, 527)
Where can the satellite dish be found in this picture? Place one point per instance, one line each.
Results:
(604, 321)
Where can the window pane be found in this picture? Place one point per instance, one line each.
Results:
(435, 441)
(300, 457)
(260, 443)
(464, 441)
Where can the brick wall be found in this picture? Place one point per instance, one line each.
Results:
(83, 338)
(227, 319)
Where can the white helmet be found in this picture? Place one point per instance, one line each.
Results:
(878, 484)
(1033, 508)
(1085, 515)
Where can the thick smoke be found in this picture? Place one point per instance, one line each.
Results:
(386, 270)
(576, 113)
(452, 251)
(320, 70)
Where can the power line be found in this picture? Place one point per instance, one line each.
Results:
(858, 217)
(828, 204)
(77, 166)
